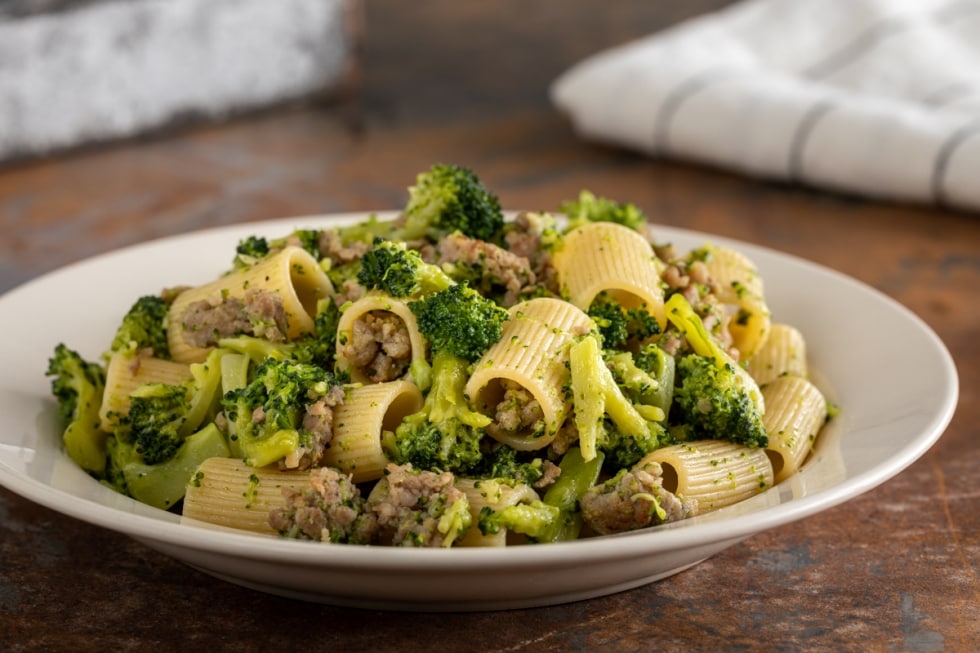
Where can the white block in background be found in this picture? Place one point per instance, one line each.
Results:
(114, 69)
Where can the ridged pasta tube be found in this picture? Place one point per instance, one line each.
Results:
(738, 283)
(533, 353)
(783, 353)
(608, 257)
(377, 304)
(796, 411)
(292, 275)
(714, 472)
(361, 422)
(227, 492)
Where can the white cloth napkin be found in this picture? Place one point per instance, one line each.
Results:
(879, 98)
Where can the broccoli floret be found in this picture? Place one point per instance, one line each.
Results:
(445, 198)
(556, 516)
(446, 433)
(161, 416)
(265, 417)
(157, 412)
(320, 347)
(508, 464)
(77, 385)
(144, 327)
(618, 325)
(250, 250)
(590, 208)
(624, 451)
(711, 403)
(399, 271)
(161, 485)
(459, 320)
(682, 316)
(448, 198)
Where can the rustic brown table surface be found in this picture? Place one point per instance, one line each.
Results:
(893, 570)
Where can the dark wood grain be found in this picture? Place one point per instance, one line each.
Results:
(893, 570)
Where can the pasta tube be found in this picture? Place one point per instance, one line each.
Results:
(782, 354)
(227, 492)
(361, 422)
(369, 346)
(713, 472)
(738, 283)
(531, 354)
(276, 299)
(608, 257)
(796, 410)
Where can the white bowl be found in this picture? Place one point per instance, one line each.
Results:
(892, 377)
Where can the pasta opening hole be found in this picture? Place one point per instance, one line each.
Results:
(777, 462)
(401, 406)
(624, 298)
(670, 480)
(308, 286)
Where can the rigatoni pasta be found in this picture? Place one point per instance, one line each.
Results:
(531, 353)
(795, 412)
(604, 257)
(713, 473)
(362, 422)
(275, 298)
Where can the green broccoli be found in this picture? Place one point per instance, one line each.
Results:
(590, 208)
(161, 416)
(161, 485)
(711, 403)
(619, 326)
(446, 433)
(265, 417)
(320, 347)
(157, 412)
(459, 320)
(78, 385)
(556, 516)
(144, 327)
(448, 198)
(399, 271)
(682, 315)
(250, 250)
(505, 463)
(445, 199)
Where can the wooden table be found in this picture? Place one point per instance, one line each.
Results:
(893, 570)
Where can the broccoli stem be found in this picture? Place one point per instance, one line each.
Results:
(84, 441)
(595, 394)
(163, 485)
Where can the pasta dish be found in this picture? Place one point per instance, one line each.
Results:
(449, 378)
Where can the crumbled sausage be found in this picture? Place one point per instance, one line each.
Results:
(633, 499)
(380, 346)
(517, 410)
(259, 313)
(317, 426)
(410, 504)
(331, 509)
(496, 266)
